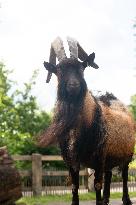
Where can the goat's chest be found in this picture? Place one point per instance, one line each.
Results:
(69, 147)
(72, 140)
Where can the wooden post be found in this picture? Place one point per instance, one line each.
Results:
(90, 180)
(86, 178)
(37, 174)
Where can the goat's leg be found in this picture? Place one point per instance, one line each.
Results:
(126, 200)
(98, 185)
(106, 191)
(75, 186)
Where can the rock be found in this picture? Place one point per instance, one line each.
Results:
(10, 181)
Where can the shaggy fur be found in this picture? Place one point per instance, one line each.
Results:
(107, 98)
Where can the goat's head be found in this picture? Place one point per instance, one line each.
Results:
(69, 71)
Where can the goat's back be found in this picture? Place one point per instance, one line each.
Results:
(120, 132)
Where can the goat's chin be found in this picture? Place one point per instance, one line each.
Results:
(73, 99)
(72, 96)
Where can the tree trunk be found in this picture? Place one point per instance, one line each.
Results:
(10, 182)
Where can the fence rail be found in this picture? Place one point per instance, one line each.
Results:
(39, 181)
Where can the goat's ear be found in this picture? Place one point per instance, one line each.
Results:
(50, 67)
(90, 61)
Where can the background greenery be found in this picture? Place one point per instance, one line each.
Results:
(20, 117)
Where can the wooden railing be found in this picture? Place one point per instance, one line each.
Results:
(37, 176)
(37, 173)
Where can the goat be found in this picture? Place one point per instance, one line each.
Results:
(96, 132)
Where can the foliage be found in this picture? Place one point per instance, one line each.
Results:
(133, 106)
(133, 98)
(132, 165)
(20, 117)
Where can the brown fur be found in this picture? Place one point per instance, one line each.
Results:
(120, 127)
(88, 109)
(120, 138)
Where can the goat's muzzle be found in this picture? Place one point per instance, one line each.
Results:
(73, 89)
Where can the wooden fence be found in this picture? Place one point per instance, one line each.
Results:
(39, 181)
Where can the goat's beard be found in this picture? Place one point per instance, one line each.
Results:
(66, 114)
(70, 106)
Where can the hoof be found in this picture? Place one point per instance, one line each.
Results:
(106, 202)
(127, 201)
(75, 203)
(99, 203)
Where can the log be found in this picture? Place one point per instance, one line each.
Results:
(10, 181)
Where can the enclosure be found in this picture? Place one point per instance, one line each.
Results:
(41, 177)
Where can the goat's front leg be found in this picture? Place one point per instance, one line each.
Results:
(75, 186)
(98, 185)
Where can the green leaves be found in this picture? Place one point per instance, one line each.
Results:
(133, 106)
(20, 117)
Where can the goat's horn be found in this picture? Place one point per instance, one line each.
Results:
(72, 47)
(76, 51)
(57, 50)
(58, 47)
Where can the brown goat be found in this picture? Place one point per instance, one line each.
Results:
(93, 132)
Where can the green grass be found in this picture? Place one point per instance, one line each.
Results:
(132, 165)
(64, 198)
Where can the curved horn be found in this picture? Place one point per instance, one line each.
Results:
(73, 48)
(57, 50)
(76, 51)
